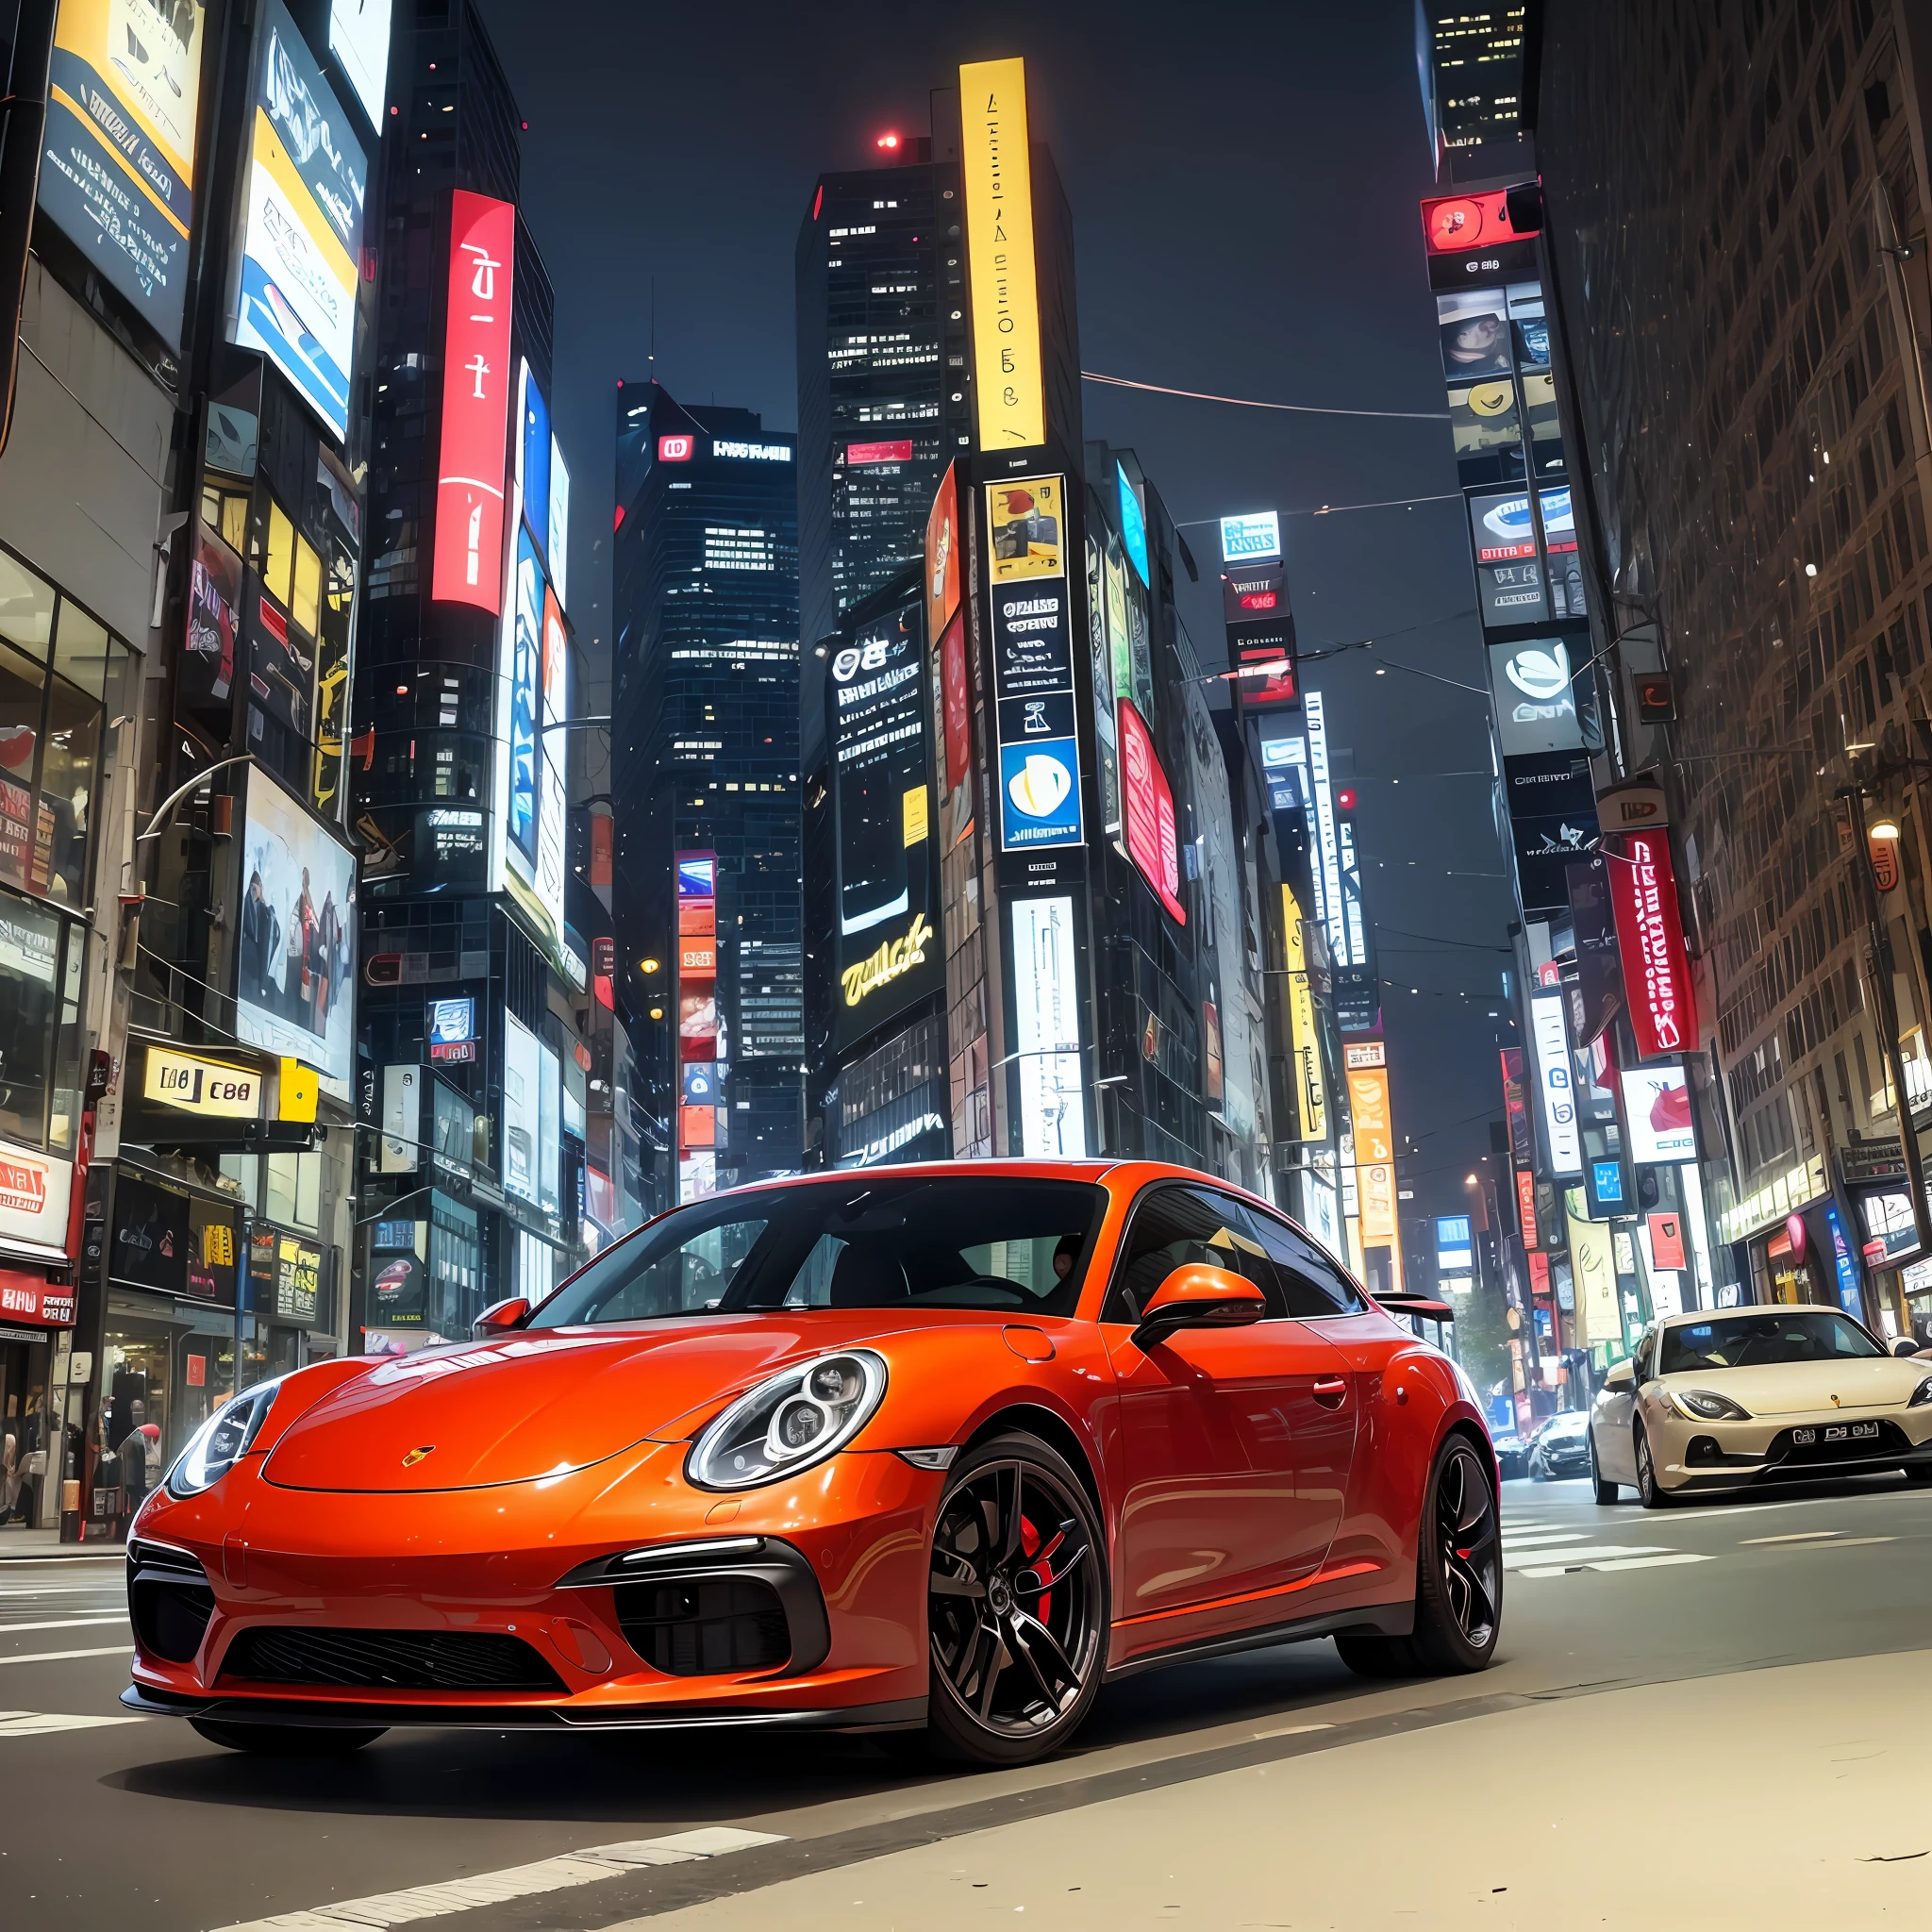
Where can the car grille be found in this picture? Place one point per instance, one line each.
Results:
(1891, 1441)
(704, 1628)
(388, 1659)
(169, 1601)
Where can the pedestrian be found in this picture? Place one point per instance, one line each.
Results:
(141, 1465)
(9, 1477)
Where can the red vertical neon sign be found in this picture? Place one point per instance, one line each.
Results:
(475, 403)
(1649, 939)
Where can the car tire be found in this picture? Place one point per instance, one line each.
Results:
(1919, 1472)
(1650, 1493)
(286, 1740)
(1458, 1581)
(1015, 1677)
(1606, 1493)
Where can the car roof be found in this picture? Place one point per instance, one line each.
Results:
(1706, 1315)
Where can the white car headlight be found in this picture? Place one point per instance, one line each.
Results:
(222, 1440)
(1922, 1394)
(1702, 1405)
(797, 1417)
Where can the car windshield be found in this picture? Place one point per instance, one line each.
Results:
(1755, 1342)
(863, 1242)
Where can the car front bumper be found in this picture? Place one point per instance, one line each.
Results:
(1697, 1455)
(617, 1596)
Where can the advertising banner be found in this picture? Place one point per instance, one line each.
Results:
(998, 170)
(117, 159)
(1658, 1125)
(1509, 576)
(1247, 539)
(214, 621)
(359, 38)
(942, 554)
(296, 950)
(1147, 810)
(533, 457)
(295, 298)
(1033, 667)
(1310, 1087)
(1555, 1083)
(1536, 709)
(450, 1026)
(1593, 1273)
(1469, 236)
(34, 1197)
(523, 1154)
(1454, 1253)
(475, 403)
(1374, 1152)
(150, 1243)
(1046, 1001)
(890, 954)
(1656, 974)
(1525, 1207)
(700, 1043)
(1516, 1106)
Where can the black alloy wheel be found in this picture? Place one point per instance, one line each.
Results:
(1017, 1605)
(1458, 1583)
(1606, 1493)
(286, 1740)
(1649, 1492)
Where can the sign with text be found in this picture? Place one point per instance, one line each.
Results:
(1656, 974)
(997, 167)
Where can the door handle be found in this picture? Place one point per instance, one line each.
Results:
(1330, 1392)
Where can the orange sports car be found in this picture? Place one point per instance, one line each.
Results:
(933, 1447)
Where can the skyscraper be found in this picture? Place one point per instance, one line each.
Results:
(883, 404)
(470, 1059)
(706, 857)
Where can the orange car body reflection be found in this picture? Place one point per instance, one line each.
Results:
(1247, 1479)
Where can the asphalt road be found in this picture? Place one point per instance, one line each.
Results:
(1745, 1676)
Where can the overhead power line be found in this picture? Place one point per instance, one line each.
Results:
(1199, 395)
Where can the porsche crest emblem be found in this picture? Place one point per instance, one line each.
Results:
(416, 1455)
(1835, 1403)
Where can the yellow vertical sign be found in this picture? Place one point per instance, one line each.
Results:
(1312, 1090)
(1593, 1273)
(998, 170)
(1374, 1152)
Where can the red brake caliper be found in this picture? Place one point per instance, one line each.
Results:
(1029, 1542)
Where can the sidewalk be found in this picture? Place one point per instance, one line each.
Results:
(38, 1545)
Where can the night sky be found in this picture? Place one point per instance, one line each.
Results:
(1244, 203)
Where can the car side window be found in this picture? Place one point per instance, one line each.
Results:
(1181, 1226)
(1646, 1359)
(1311, 1285)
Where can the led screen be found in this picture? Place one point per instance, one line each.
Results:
(359, 38)
(1052, 1117)
(296, 276)
(296, 957)
(117, 159)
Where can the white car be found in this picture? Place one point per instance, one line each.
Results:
(1733, 1398)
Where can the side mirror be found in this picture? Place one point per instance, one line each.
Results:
(1906, 1344)
(499, 1318)
(1620, 1375)
(1199, 1297)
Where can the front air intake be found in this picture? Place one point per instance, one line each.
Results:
(703, 1627)
(388, 1659)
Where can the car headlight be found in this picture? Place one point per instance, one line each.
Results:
(1702, 1405)
(796, 1418)
(222, 1440)
(1922, 1394)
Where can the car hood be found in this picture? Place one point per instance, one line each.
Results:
(530, 1405)
(1810, 1388)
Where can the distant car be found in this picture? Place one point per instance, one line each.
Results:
(1741, 1398)
(1513, 1457)
(1560, 1449)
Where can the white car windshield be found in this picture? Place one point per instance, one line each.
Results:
(1757, 1341)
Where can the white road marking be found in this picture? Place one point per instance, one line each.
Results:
(69, 1622)
(1798, 1536)
(1521, 1539)
(54, 1656)
(1852, 1543)
(517, 1881)
(57, 1588)
(1293, 1730)
(1590, 1552)
(36, 1723)
(1646, 1561)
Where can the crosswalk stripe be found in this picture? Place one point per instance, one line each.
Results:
(1527, 1541)
(1590, 1553)
(415, 1902)
(1660, 1561)
(35, 1724)
(54, 1656)
(94, 1621)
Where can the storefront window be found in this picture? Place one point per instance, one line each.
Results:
(39, 1028)
(293, 1191)
(59, 671)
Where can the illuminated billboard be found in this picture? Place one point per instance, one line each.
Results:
(1375, 1153)
(877, 703)
(296, 950)
(117, 157)
(701, 1043)
(997, 168)
(1251, 539)
(1147, 810)
(1556, 1080)
(1047, 1034)
(1310, 1087)
(1033, 666)
(531, 1155)
(467, 566)
(1133, 522)
(296, 276)
(533, 457)
(557, 545)
(1657, 1115)
(359, 38)
(1535, 706)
